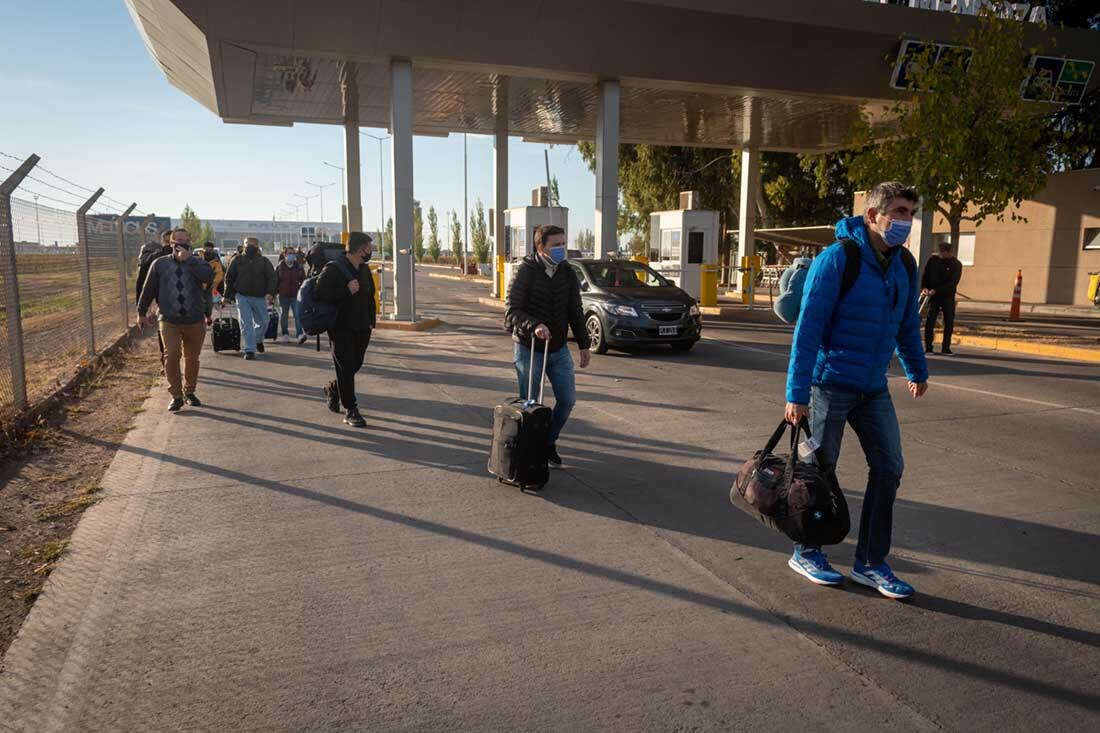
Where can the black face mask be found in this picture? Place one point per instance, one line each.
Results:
(366, 256)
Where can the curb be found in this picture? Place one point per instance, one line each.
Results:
(492, 302)
(421, 325)
(1074, 353)
(460, 278)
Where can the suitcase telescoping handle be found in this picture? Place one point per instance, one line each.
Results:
(531, 371)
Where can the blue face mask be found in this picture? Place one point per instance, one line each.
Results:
(291, 259)
(898, 232)
(557, 254)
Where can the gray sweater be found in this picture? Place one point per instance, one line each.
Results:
(178, 288)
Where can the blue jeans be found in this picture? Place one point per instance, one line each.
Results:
(287, 305)
(875, 423)
(563, 380)
(253, 320)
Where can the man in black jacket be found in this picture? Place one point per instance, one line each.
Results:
(347, 283)
(251, 282)
(544, 301)
(939, 281)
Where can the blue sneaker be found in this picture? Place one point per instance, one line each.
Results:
(815, 567)
(882, 578)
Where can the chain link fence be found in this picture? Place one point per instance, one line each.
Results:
(67, 279)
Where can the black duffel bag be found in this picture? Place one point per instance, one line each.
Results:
(800, 499)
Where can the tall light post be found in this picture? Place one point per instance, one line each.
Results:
(321, 192)
(381, 214)
(298, 215)
(37, 222)
(343, 195)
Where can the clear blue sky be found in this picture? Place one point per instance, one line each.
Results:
(82, 92)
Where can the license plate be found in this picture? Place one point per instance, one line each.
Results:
(668, 330)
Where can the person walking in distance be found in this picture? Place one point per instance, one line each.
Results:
(940, 282)
(544, 301)
(348, 283)
(251, 281)
(842, 347)
(179, 285)
(150, 253)
(290, 275)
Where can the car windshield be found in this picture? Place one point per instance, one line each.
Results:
(625, 275)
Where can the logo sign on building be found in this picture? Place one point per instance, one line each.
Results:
(912, 54)
(1053, 79)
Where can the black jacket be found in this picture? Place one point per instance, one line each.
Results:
(149, 254)
(942, 275)
(534, 297)
(250, 274)
(354, 312)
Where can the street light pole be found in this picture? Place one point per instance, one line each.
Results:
(343, 195)
(321, 192)
(37, 221)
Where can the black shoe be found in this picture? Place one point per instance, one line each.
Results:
(553, 459)
(928, 350)
(260, 346)
(192, 400)
(332, 397)
(354, 419)
(249, 356)
(947, 352)
(176, 404)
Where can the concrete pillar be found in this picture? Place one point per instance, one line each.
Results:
(750, 182)
(920, 238)
(607, 169)
(401, 157)
(349, 86)
(500, 180)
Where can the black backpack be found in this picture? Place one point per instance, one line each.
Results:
(852, 260)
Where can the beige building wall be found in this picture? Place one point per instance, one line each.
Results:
(1046, 243)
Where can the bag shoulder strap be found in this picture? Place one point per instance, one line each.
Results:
(344, 267)
(852, 262)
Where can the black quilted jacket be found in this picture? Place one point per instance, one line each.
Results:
(534, 297)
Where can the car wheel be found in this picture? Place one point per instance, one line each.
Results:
(683, 346)
(595, 334)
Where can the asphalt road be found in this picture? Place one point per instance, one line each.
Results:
(255, 565)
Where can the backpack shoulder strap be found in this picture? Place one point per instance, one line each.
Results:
(909, 261)
(852, 262)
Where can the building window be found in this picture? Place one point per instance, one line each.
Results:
(1092, 238)
(309, 232)
(670, 245)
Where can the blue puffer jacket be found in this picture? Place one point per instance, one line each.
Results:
(850, 344)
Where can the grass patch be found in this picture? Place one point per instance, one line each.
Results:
(67, 508)
(45, 555)
(136, 410)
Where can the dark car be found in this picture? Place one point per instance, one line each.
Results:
(628, 304)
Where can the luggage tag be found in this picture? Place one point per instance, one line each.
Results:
(807, 447)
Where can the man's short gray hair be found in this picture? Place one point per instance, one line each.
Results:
(881, 195)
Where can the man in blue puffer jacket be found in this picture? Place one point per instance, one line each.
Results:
(837, 371)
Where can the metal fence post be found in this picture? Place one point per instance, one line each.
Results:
(11, 283)
(124, 301)
(86, 268)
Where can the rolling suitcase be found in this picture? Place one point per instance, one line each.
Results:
(225, 333)
(272, 324)
(521, 436)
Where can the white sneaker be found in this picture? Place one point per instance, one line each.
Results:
(302, 338)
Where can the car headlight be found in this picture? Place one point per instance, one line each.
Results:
(694, 310)
(622, 310)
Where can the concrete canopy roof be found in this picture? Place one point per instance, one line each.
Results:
(790, 76)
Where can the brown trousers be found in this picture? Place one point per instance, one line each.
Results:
(182, 340)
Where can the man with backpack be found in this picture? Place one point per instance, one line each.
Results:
(347, 283)
(859, 306)
(544, 301)
(251, 281)
(178, 284)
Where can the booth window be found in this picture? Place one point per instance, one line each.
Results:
(1092, 238)
(670, 245)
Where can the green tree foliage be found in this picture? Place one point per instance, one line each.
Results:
(387, 239)
(479, 234)
(585, 241)
(434, 246)
(967, 141)
(199, 230)
(456, 234)
(555, 196)
(418, 232)
(1074, 134)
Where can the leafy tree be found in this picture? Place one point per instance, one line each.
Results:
(199, 230)
(555, 196)
(1074, 134)
(479, 234)
(456, 234)
(434, 247)
(963, 136)
(418, 232)
(387, 239)
(585, 241)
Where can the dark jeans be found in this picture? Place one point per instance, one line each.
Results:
(935, 305)
(875, 423)
(348, 350)
(288, 305)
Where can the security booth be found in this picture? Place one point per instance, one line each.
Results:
(683, 247)
(519, 229)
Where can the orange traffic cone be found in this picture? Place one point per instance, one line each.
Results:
(1014, 311)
